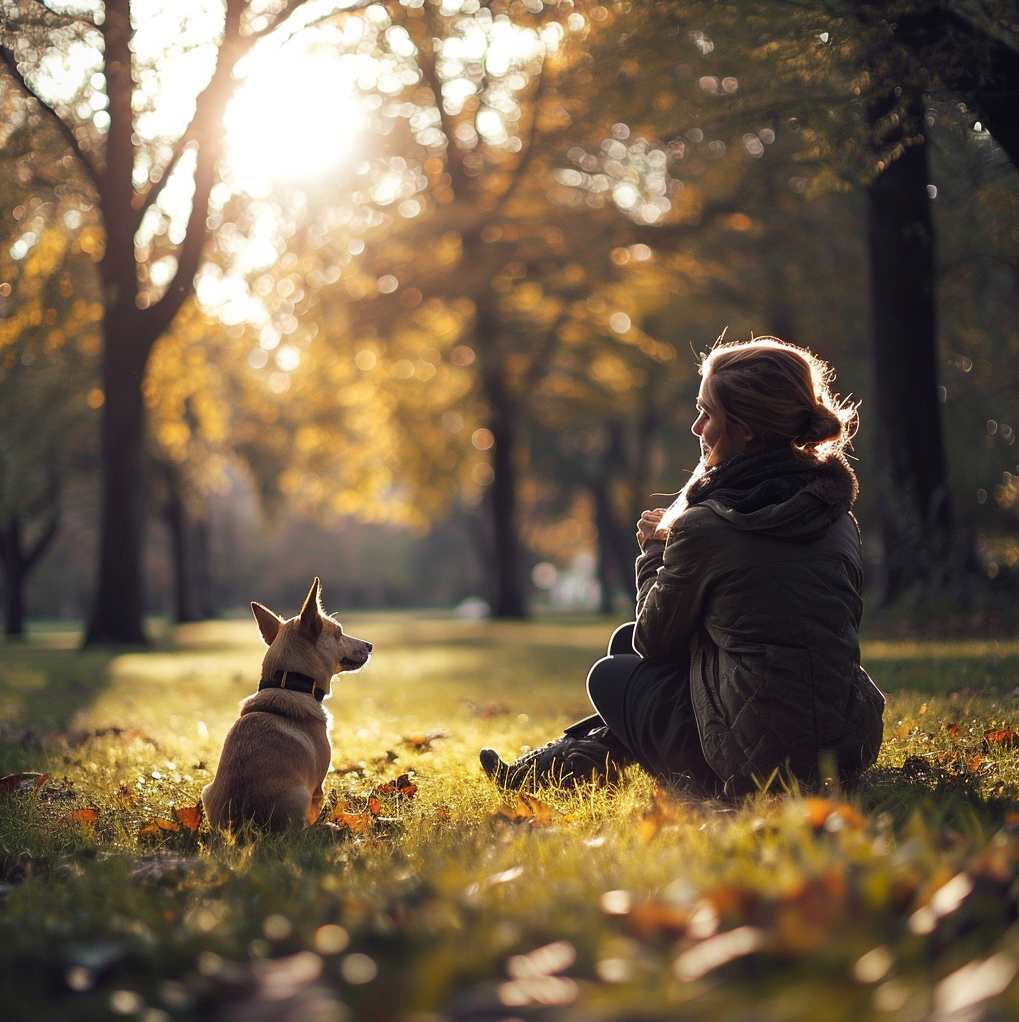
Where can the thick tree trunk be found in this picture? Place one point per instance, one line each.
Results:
(507, 595)
(915, 507)
(120, 598)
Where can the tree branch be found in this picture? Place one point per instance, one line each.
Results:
(520, 170)
(429, 74)
(42, 543)
(11, 63)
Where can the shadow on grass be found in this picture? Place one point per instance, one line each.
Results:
(46, 679)
(942, 798)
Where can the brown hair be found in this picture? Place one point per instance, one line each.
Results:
(777, 392)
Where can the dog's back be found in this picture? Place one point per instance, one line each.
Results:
(274, 758)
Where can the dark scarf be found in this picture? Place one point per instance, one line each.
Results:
(749, 482)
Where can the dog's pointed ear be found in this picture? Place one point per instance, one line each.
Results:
(268, 622)
(311, 612)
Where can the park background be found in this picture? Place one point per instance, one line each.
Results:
(410, 296)
(430, 316)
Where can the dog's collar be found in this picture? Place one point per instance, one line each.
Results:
(293, 681)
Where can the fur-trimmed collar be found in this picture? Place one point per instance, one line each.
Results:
(750, 482)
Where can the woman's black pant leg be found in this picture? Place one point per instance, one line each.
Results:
(622, 640)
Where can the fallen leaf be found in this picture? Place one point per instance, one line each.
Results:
(953, 730)
(190, 816)
(355, 822)
(820, 811)
(23, 782)
(527, 810)
(666, 810)
(1002, 737)
(423, 740)
(159, 825)
(652, 919)
(374, 806)
(81, 817)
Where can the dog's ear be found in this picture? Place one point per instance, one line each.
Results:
(311, 612)
(268, 622)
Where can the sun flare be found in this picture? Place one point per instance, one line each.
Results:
(295, 117)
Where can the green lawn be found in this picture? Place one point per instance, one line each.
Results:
(893, 902)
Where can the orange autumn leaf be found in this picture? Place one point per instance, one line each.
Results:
(658, 919)
(527, 810)
(190, 816)
(354, 822)
(953, 730)
(401, 787)
(159, 825)
(81, 817)
(421, 741)
(1002, 737)
(821, 810)
(666, 810)
(374, 806)
(337, 811)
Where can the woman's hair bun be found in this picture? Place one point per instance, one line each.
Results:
(824, 425)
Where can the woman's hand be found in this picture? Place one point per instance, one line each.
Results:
(647, 527)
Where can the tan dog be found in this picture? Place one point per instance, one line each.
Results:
(277, 754)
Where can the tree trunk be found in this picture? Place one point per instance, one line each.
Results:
(202, 567)
(617, 549)
(120, 598)
(184, 549)
(17, 564)
(508, 598)
(915, 509)
(14, 579)
(507, 595)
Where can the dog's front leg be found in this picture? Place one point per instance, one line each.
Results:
(316, 805)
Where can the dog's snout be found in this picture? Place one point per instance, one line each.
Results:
(367, 647)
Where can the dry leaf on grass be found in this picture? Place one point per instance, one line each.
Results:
(402, 787)
(527, 810)
(159, 825)
(81, 818)
(421, 741)
(191, 816)
(188, 819)
(827, 814)
(1002, 738)
(356, 823)
(665, 811)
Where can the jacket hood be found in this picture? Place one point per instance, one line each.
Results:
(828, 491)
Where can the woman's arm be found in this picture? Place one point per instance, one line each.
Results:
(671, 587)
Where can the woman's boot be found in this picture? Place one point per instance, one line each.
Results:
(597, 756)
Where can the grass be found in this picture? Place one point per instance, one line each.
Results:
(894, 902)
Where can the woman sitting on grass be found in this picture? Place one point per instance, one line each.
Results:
(747, 662)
